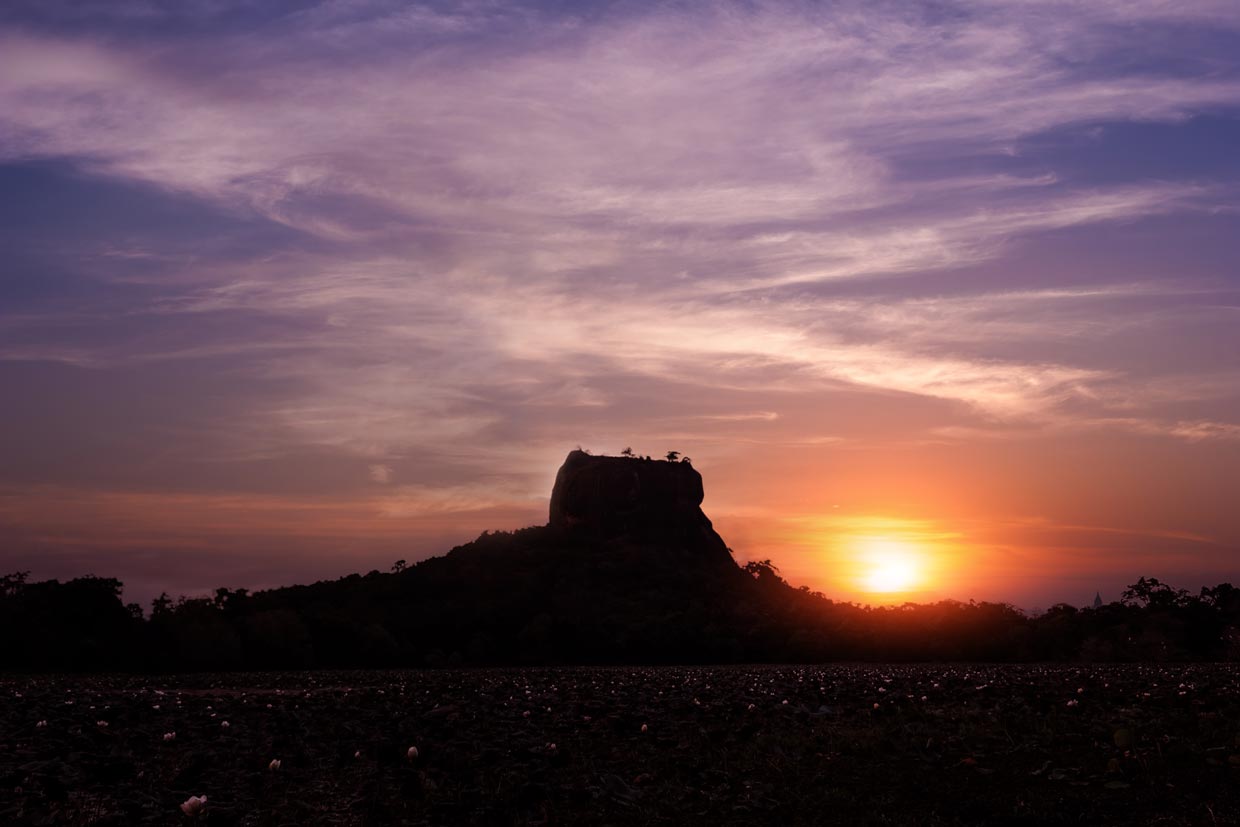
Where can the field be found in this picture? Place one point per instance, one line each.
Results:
(924, 744)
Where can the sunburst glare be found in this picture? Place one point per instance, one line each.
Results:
(890, 565)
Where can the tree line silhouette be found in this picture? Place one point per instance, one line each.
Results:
(536, 596)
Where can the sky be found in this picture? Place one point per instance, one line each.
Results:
(290, 290)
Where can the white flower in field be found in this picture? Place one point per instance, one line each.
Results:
(41, 724)
(223, 724)
(876, 705)
(751, 708)
(525, 714)
(170, 736)
(412, 753)
(882, 690)
(155, 706)
(193, 805)
(1074, 702)
(358, 755)
(101, 724)
(644, 729)
(274, 765)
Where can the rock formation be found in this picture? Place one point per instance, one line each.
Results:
(641, 500)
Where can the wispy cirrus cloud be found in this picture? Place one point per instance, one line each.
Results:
(658, 120)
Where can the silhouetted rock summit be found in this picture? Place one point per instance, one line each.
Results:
(639, 500)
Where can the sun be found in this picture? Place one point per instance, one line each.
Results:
(889, 565)
(891, 576)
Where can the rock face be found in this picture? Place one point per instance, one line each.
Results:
(646, 501)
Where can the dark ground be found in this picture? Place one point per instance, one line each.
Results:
(927, 744)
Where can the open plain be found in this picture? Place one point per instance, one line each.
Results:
(848, 744)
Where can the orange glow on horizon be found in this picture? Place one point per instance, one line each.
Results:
(877, 559)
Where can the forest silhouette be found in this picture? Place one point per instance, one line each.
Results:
(549, 611)
(628, 570)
